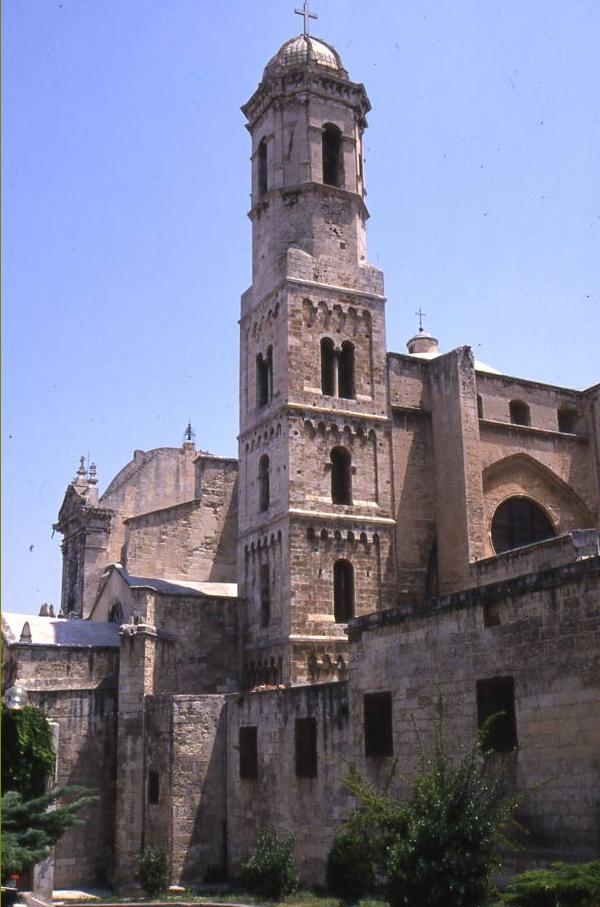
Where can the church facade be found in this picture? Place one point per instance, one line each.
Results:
(234, 633)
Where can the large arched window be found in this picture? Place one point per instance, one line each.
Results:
(519, 413)
(346, 371)
(519, 521)
(343, 591)
(264, 491)
(341, 476)
(333, 162)
(265, 595)
(263, 173)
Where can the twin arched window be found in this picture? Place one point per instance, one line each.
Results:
(264, 377)
(341, 476)
(333, 160)
(343, 591)
(519, 521)
(264, 482)
(337, 369)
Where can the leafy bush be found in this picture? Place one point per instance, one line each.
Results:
(439, 845)
(27, 751)
(153, 870)
(270, 871)
(563, 885)
(351, 873)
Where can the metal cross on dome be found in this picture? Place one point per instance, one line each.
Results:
(306, 15)
(421, 315)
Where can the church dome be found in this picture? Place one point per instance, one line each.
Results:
(302, 50)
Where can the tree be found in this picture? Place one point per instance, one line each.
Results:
(27, 751)
(439, 846)
(31, 827)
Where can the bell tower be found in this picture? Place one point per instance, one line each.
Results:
(316, 526)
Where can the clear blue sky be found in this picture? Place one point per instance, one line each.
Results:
(126, 242)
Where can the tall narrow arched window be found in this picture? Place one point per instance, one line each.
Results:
(341, 476)
(519, 521)
(263, 173)
(519, 413)
(333, 162)
(328, 367)
(567, 420)
(479, 406)
(264, 490)
(264, 377)
(265, 595)
(346, 371)
(343, 591)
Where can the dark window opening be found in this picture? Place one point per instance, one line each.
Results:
(116, 614)
(346, 371)
(479, 406)
(343, 591)
(264, 378)
(341, 476)
(491, 614)
(264, 489)
(328, 367)
(496, 696)
(567, 420)
(333, 164)
(518, 522)
(248, 752)
(153, 787)
(265, 595)
(306, 747)
(519, 413)
(263, 178)
(378, 724)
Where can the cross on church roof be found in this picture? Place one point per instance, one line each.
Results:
(421, 315)
(306, 15)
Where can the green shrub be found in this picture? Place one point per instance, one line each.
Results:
(351, 862)
(440, 844)
(270, 871)
(153, 871)
(563, 885)
(27, 751)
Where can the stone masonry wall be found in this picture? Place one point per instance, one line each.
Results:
(543, 630)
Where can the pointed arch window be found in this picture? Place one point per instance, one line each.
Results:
(264, 377)
(519, 521)
(264, 483)
(265, 595)
(263, 172)
(333, 161)
(519, 413)
(341, 476)
(343, 591)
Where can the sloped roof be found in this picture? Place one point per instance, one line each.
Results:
(167, 586)
(55, 631)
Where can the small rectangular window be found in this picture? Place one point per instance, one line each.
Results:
(378, 724)
(248, 752)
(496, 696)
(306, 747)
(153, 787)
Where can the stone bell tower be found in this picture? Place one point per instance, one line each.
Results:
(316, 526)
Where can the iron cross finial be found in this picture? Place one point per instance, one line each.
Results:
(421, 316)
(306, 15)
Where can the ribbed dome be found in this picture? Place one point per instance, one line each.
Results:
(305, 49)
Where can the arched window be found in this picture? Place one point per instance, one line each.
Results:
(265, 595)
(263, 178)
(567, 420)
(264, 377)
(346, 371)
(333, 163)
(116, 614)
(328, 367)
(517, 522)
(343, 591)
(341, 479)
(519, 413)
(479, 406)
(264, 491)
